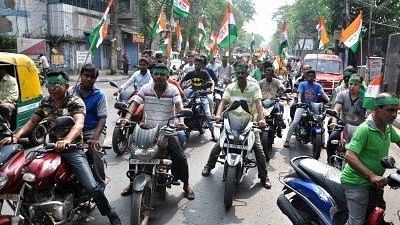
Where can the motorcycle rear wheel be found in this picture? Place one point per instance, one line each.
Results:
(140, 207)
(317, 146)
(119, 142)
(230, 183)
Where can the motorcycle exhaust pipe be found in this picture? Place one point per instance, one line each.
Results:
(50, 203)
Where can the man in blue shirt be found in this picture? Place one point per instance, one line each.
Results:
(308, 92)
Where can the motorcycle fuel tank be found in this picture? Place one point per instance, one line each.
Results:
(13, 170)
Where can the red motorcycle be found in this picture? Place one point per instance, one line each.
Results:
(50, 193)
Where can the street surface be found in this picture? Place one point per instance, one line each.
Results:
(252, 205)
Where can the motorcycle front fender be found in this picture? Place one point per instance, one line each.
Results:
(233, 159)
(140, 182)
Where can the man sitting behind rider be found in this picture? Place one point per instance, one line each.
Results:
(362, 178)
(243, 89)
(8, 93)
(161, 100)
(309, 92)
(271, 87)
(61, 103)
(348, 105)
(139, 78)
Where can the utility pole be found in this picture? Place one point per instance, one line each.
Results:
(346, 23)
(116, 45)
(369, 27)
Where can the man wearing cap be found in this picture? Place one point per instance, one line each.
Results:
(348, 105)
(224, 71)
(362, 178)
(61, 103)
(242, 89)
(161, 100)
(258, 71)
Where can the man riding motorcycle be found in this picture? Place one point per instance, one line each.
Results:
(161, 99)
(61, 103)
(362, 178)
(242, 89)
(8, 93)
(309, 91)
(139, 78)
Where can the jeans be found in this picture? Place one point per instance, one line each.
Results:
(179, 167)
(76, 160)
(95, 158)
(331, 148)
(126, 68)
(297, 117)
(361, 201)
(258, 152)
(206, 110)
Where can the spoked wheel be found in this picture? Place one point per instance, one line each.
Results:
(119, 141)
(140, 207)
(230, 183)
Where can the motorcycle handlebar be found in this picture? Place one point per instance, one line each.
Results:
(53, 145)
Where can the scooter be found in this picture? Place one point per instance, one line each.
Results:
(312, 193)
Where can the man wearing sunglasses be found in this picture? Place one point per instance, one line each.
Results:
(348, 105)
(61, 103)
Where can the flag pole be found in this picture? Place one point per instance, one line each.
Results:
(229, 36)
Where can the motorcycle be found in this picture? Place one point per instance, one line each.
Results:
(149, 168)
(311, 126)
(50, 193)
(120, 136)
(312, 194)
(273, 117)
(236, 141)
(346, 133)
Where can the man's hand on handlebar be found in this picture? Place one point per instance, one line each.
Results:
(218, 118)
(123, 121)
(61, 145)
(262, 124)
(7, 140)
(181, 126)
(94, 144)
(115, 93)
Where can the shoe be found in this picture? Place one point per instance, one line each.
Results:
(279, 133)
(283, 125)
(265, 183)
(206, 171)
(286, 144)
(114, 218)
(127, 191)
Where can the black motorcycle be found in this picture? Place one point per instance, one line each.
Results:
(311, 126)
(218, 93)
(198, 121)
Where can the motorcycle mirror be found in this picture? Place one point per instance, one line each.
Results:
(331, 112)
(112, 83)
(185, 113)
(121, 106)
(63, 122)
(388, 162)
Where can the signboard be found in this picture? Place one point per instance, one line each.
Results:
(57, 59)
(374, 67)
(81, 57)
(137, 38)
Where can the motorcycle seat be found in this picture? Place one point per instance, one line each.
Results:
(326, 176)
(8, 151)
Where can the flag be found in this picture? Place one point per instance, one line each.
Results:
(213, 46)
(100, 31)
(283, 40)
(252, 43)
(181, 7)
(179, 40)
(166, 46)
(276, 63)
(351, 35)
(228, 33)
(371, 92)
(160, 26)
(322, 35)
(202, 32)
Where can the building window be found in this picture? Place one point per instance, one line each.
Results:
(96, 5)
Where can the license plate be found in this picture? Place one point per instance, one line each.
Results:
(11, 197)
(227, 145)
(137, 161)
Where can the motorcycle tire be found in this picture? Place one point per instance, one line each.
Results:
(37, 136)
(317, 146)
(290, 210)
(230, 183)
(120, 146)
(140, 207)
(266, 144)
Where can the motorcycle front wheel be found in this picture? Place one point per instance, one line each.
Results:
(230, 183)
(317, 146)
(140, 207)
(119, 141)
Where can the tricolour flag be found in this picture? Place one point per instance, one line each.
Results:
(213, 46)
(166, 46)
(202, 31)
(283, 41)
(179, 39)
(228, 33)
(182, 7)
(252, 43)
(160, 26)
(371, 92)
(322, 35)
(351, 35)
(100, 31)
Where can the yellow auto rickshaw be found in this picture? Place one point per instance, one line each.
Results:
(30, 92)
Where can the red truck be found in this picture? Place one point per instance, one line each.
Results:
(329, 69)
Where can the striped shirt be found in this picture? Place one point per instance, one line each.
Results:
(251, 93)
(158, 110)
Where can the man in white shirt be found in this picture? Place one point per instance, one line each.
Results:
(44, 64)
(139, 78)
(224, 71)
(189, 66)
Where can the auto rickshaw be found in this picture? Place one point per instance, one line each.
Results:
(30, 92)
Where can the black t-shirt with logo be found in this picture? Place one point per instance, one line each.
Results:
(198, 79)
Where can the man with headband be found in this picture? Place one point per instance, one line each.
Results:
(61, 103)
(161, 100)
(362, 178)
(348, 105)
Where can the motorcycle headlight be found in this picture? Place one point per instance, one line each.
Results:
(3, 181)
(145, 154)
(197, 100)
(319, 117)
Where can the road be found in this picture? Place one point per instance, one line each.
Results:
(253, 204)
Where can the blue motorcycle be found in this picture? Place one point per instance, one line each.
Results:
(312, 194)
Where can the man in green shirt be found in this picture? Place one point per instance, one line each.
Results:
(257, 73)
(362, 178)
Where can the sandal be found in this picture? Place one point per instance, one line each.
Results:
(286, 144)
(189, 193)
